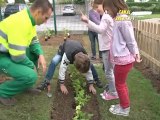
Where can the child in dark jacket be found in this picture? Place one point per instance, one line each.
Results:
(71, 52)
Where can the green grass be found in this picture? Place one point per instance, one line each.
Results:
(31, 107)
(148, 16)
(145, 102)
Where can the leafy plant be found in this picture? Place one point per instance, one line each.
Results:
(81, 115)
(80, 97)
(48, 34)
(66, 33)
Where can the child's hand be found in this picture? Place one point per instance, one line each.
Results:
(63, 89)
(84, 18)
(92, 89)
(138, 58)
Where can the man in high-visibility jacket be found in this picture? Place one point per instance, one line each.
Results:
(18, 35)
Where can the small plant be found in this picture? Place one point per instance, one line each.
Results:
(81, 115)
(66, 34)
(80, 97)
(48, 34)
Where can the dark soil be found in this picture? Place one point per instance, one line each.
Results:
(92, 107)
(58, 39)
(64, 105)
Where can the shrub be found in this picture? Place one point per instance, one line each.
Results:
(156, 9)
(147, 6)
(79, 1)
(65, 2)
(152, 0)
(70, 1)
(141, 4)
(135, 8)
(130, 0)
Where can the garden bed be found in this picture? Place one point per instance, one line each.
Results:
(64, 105)
(58, 39)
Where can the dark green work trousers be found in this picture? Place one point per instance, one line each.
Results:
(23, 76)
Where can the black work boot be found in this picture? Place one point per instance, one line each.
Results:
(98, 83)
(43, 85)
(8, 101)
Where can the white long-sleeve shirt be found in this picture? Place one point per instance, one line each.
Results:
(63, 67)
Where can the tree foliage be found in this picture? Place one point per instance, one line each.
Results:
(153, 1)
(2, 2)
(79, 1)
(130, 0)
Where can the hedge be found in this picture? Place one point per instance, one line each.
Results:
(147, 6)
(70, 1)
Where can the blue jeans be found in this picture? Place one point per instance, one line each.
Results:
(93, 36)
(108, 66)
(56, 60)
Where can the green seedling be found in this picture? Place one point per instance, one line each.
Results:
(81, 98)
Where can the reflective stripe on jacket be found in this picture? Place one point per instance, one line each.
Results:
(16, 34)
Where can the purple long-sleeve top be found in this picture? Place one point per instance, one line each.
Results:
(123, 46)
(94, 16)
(124, 42)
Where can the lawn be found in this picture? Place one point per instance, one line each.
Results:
(145, 104)
(148, 16)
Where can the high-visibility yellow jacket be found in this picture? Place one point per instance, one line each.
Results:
(17, 32)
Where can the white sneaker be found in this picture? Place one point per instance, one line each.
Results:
(118, 110)
(112, 106)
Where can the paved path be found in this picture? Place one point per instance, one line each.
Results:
(71, 23)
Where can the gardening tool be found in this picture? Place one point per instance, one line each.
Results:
(49, 94)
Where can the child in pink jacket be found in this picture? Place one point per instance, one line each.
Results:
(104, 30)
(123, 53)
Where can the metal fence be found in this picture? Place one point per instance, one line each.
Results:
(73, 24)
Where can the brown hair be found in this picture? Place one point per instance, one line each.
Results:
(45, 5)
(82, 62)
(94, 6)
(115, 6)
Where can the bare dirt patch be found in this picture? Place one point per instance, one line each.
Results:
(58, 39)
